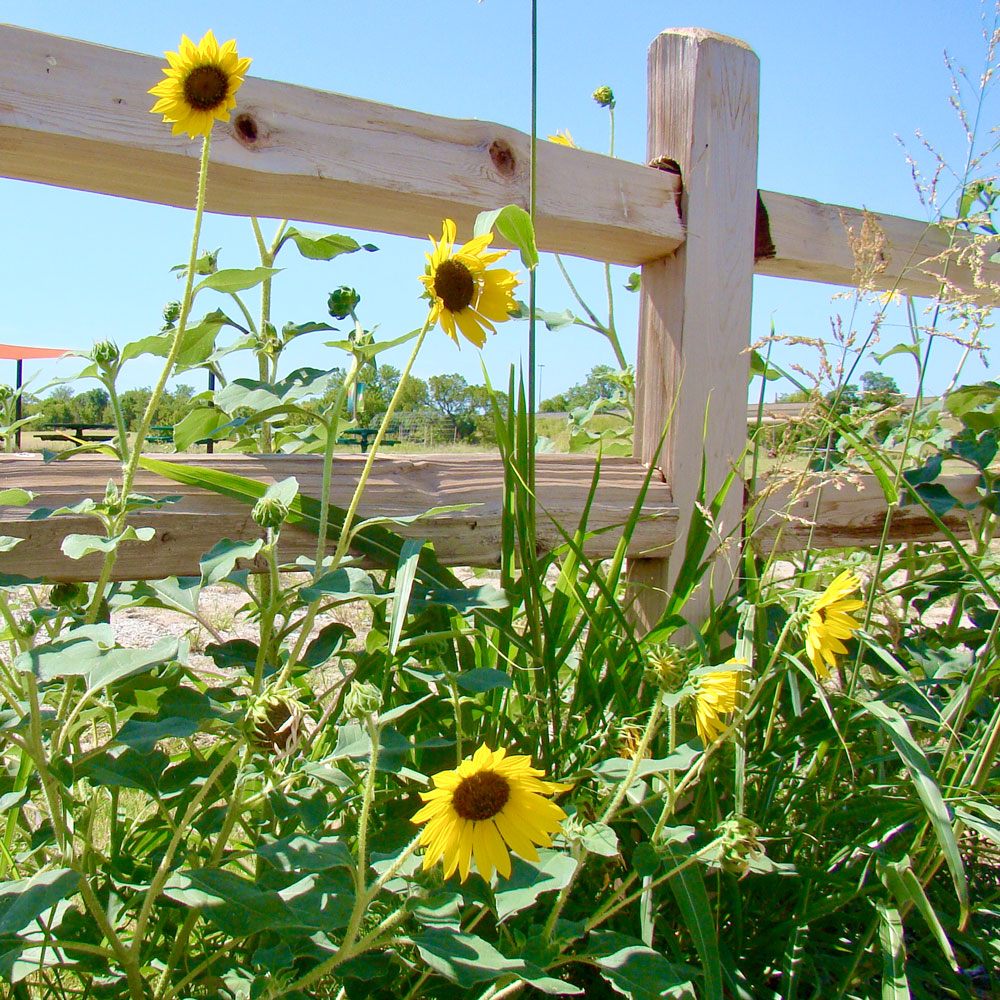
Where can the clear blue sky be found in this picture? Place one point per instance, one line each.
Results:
(839, 81)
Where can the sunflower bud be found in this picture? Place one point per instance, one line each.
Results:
(604, 96)
(342, 302)
(738, 844)
(270, 512)
(667, 668)
(171, 314)
(106, 354)
(67, 595)
(112, 498)
(273, 722)
(363, 700)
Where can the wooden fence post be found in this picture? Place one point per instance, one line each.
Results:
(694, 326)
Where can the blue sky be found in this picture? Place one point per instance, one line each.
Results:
(839, 82)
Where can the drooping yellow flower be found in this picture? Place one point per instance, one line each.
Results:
(489, 805)
(830, 623)
(563, 138)
(715, 698)
(462, 291)
(200, 85)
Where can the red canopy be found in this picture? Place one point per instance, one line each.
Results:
(18, 352)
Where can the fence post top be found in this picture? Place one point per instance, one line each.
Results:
(699, 35)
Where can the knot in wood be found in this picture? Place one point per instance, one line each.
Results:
(246, 129)
(503, 158)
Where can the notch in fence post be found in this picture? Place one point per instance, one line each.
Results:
(694, 322)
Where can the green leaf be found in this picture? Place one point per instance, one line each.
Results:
(304, 854)
(196, 425)
(80, 652)
(514, 224)
(76, 546)
(900, 879)
(890, 935)
(689, 891)
(328, 643)
(324, 246)
(927, 789)
(271, 397)
(346, 584)
(913, 349)
(7, 542)
(15, 497)
(284, 491)
(634, 282)
(463, 958)
(761, 369)
(221, 559)
(234, 904)
(462, 599)
(970, 397)
(483, 679)
(123, 767)
(143, 734)
(236, 279)
(616, 769)
(406, 571)
(599, 838)
(528, 880)
(636, 970)
(555, 320)
(24, 901)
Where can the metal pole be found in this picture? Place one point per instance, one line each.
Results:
(210, 447)
(17, 401)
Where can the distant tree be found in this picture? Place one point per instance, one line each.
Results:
(450, 395)
(877, 387)
(600, 384)
(556, 404)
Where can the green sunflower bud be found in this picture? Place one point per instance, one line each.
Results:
(604, 96)
(667, 667)
(67, 595)
(269, 512)
(171, 314)
(342, 302)
(363, 700)
(106, 354)
(112, 498)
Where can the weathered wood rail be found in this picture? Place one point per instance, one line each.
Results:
(75, 114)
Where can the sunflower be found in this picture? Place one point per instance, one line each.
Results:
(489, 805)
(201, 85)
(462, 291)
(715, 697)
(830, 623)
(563, 138)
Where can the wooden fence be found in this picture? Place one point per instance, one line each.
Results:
(74, 114)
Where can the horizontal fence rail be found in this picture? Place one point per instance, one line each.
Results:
(790, 518)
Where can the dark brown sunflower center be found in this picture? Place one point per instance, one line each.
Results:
(481, 796)
(454, 285)
(205, 87)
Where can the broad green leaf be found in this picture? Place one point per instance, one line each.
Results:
(617, 768)
(76, 546)
(123, 767)
(913, 349)
(890, 935)
(234, 904)
(761, 369)
(304, 854)
(600, 839)
(24, 901)
(347, 584)
(927, 789)
(234, 654)
(324, 246)
(143, 734)
(528, 880)
(970, 397)
(235, 279)
(284, 491)
(637, 971)
(483, 679)
(15, 497)
(7, 542)
(294, 388)
(462, 599)
(634, 282)
(197, 424)
(514, 224)
(463, 958)
(328, 643)
(221, 559)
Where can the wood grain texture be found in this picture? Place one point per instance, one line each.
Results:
(824, 516)
(694, 325)
(810, 240)
(399, 486)
(77, 115)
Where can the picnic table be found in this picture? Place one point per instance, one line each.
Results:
(361, 436)
(77, 432)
